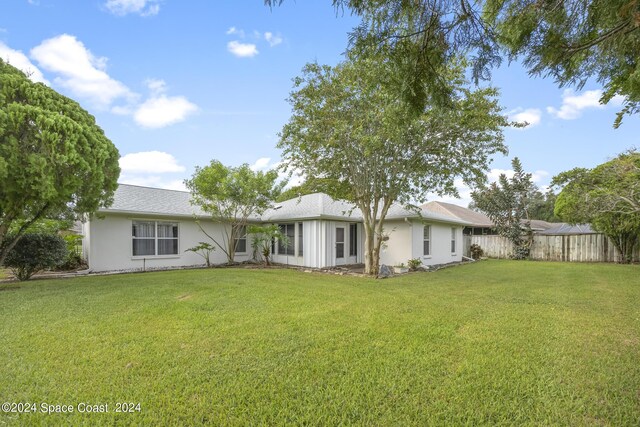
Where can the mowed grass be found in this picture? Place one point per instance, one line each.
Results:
(491, 343)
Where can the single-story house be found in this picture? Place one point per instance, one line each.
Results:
(147, 228)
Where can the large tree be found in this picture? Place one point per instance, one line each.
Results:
(507, 203)
(608, 197)
(231, 195)
(350, 127)
(54, 158)
(568, 40)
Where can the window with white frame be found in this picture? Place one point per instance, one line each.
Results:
(241, 240)
(300, 240)
(151, 238)
(453, 240)
(426, 241)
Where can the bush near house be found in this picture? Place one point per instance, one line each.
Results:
(35, 252)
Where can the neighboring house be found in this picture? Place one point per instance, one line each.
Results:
(147, 228)
(480, 224)
(564, 229)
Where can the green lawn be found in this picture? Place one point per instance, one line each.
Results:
(495, 342)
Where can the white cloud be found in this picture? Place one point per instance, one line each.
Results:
(21, 62)
(154, 181)
(156, 86)
(263, 163)
(531, 115)
(125, 7)
(79, 70)
(234, 31)
(242, 50)
(150, 162)
(161, 110)
(539, 175)
(572, 105)
(149, 169)
(272, 39)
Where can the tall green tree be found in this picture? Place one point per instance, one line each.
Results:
(507, 203)
(608, 197)
(231, 195)
(54, 158)
(570, 41)
(349, 127)
(542, 205)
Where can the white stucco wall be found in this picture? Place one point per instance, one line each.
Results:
(406, 242)
(396, 250)
(440, 243)
(110, 244)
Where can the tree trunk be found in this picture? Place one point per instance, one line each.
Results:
(369, 266)
(378, 245)
(624, 244)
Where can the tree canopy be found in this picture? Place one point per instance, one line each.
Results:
(54, 158)
(570, 41)
(608, 197)
(350, 128)
(231, 195)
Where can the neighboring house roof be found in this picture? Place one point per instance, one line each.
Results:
(563, 229)
(476, 219)
(540, 225)
(134, 199)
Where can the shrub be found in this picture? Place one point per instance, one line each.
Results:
(414, 264)
(203, 249)
(521, 252)
(74, 258)
(35, 252)
(74, 261)
(476, 251)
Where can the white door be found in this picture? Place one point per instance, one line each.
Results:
(340, 259)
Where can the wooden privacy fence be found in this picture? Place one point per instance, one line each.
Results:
(572, 248)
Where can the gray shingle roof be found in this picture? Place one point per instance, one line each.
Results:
(563, 229)
(147, 200)
(476, 219)
(156, 201)
(320, 205)
(316, 205)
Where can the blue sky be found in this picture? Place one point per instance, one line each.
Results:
(175, 84)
